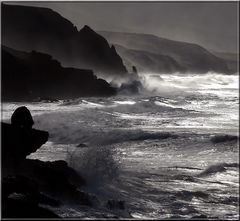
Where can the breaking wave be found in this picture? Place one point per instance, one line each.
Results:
(224, 138)
(181, 84)
(97, 164)
(218, 168)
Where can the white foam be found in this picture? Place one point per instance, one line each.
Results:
(125, 102)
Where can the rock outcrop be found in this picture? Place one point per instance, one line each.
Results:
(37, 189)
(18, 142)
(32, 76)
(44, 30)
(28, 185)
(21, 198)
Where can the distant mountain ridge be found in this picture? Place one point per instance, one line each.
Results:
(148, 61)
(34, 75)
(186, 57)
(44, 30)
(231, 59)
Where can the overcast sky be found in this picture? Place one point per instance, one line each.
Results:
(210, 24)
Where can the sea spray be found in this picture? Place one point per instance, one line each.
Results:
(100, 167)
(177, 84)
(96, 164)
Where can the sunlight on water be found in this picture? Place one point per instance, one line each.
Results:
(125, 102)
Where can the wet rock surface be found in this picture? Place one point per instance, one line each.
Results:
(32, 188)
(29, 185)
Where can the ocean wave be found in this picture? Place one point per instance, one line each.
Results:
(119, 136)
(90, 103)
(224, 138)
(185, 194)
(184, 177)
(178, 84)
(217, 168)
(154, 105)
(93, 127)
(154, 136)
(96, 164)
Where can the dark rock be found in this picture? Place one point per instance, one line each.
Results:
(121, 204)
(47, 200)
(22, 185)
(21, 198)
(134, 70)
(82, 145)
(18, 142)
(41, 76)
(131, 88)
(46, 31)
(20, 207)
(217, 168)
(115, 204)
(224, 138)
(51, 184)
(80, 197)
(27, 183)
(22, 118)
(55, 178)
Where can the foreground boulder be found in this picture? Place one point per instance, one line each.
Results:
(54, 178)
(34, 188)
(18, 142)
(21, 199)
(28, 184)
(22, 208)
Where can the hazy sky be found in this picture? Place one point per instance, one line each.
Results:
(211, 24)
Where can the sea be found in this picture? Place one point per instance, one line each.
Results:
(169, 152)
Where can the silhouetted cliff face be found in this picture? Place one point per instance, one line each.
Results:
(42, 29)
(231, 59)
(147, 61)
(159, 54)
(28, 76)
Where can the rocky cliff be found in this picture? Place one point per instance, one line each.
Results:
(41, 29)
(29, 76)
(155, 54)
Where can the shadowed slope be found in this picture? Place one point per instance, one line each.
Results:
(28, 76)
(42, 29)
(189, 57)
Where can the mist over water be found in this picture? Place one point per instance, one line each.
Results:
(170, 151)
(190, 83)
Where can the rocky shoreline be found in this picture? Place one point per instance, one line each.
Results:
(28, 184)
(33, 188)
